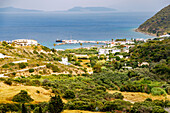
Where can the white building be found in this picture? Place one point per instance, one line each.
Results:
(107, 51)
(167, 35)
(111, 44)
(144, 63)
(25, 42)
(4, 56)
(21, 61)
(140, 39)
(127, 57)
(102, 51)
(115, 50)
(127, 67)
(130, 42)
(81, 56)
(64, 60)
(126, 50)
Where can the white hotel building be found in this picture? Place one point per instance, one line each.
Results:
(25, 42)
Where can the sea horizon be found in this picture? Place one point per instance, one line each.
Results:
(47, 27)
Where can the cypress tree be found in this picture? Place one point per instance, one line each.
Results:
(40, 110)
(24, 110)
(56, 105)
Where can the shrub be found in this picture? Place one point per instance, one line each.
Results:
(159, 103)
(77, 63)
(167, 103)
(9, 82)
(22, 65)
(157, 91)
(49, 65)
(149, 107)
(117, 58)
(117, 105)
(14, 73)
(5, 66)
(37, 76)
(117, 95)
(11, 64)
(4, 43)
(36, 110)
(69, 94)
(168, 90)
(35, 52)
(55, 69)
(38, 91)
(148, 99)
(22, 97)
(35, 83)
(9, 107)
(101, 88)
(80, 60)
(31, 70)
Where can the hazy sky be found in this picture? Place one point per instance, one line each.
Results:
(120, 5)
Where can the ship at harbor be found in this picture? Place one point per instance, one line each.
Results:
(58, 40)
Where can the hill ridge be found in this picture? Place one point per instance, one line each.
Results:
(157, 25)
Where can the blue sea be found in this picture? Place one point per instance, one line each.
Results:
(47, 27)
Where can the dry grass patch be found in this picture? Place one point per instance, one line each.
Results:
(79, 111)
(138, 96)
(7, 93)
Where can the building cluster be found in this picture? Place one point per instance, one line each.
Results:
(23, 42)
(108, 51)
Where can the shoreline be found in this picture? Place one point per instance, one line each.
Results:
(150, 34)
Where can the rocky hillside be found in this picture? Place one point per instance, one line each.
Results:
(159, 24)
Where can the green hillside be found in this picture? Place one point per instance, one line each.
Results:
(159, 24)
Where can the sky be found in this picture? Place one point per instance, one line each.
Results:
(120, 5)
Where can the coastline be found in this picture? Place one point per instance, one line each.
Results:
(150, 34)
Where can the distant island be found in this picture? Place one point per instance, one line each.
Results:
(13, 10)
(75, 9)
(91, 9)
(158, 24)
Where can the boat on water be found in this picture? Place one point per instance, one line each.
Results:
(58, 40)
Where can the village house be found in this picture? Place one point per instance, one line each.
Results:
(127, 67)
(4, 56)
(21, 61)
(64, 61)
(144, 63)
(127, 57)
(81, 56)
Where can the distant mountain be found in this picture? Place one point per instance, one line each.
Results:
(12, 9)
(91, 9)
(159, 24)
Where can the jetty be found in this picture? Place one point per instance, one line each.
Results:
(81, 41)
(98, 42)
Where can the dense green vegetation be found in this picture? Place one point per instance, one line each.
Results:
(152, 51)
(90, 92)
(157, 53)
(159, 24)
